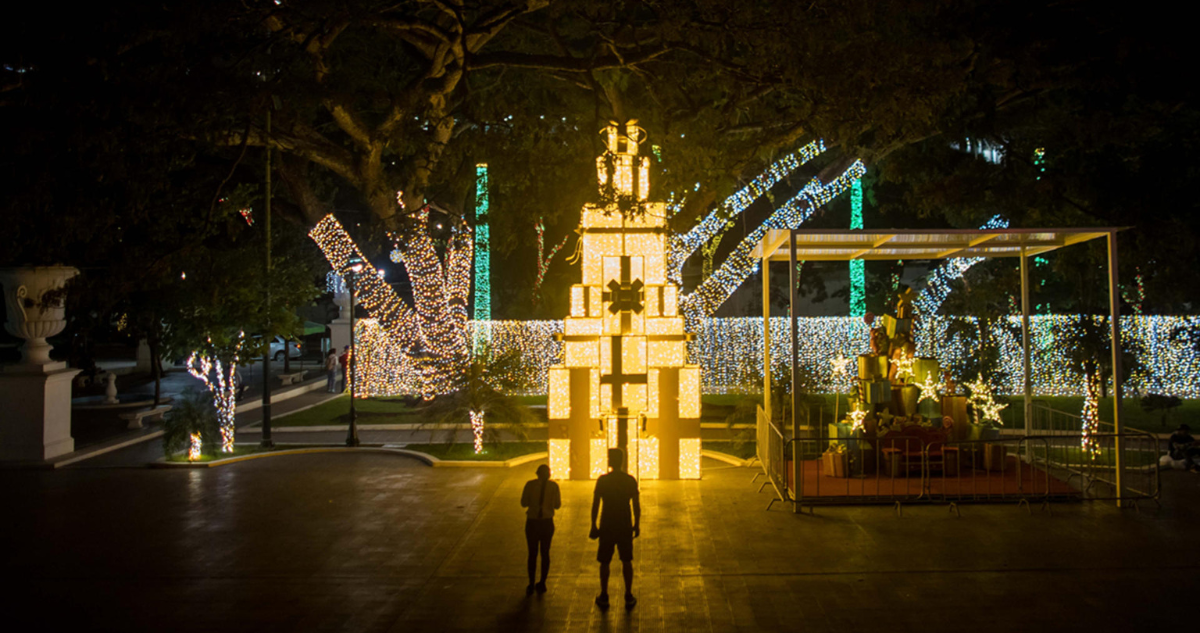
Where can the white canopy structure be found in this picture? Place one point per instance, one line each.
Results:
(796, 245)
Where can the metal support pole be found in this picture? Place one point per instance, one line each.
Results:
(793, 298)
(1028, 383)
(766, 307)
(267, 442)
(793, 292)
(352, 434)
(1114, 308)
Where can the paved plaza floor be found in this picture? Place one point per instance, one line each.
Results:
(375, 542)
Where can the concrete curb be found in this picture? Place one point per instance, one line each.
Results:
(428, 460)
(726, 457)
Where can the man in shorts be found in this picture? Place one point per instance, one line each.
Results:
(617, 491)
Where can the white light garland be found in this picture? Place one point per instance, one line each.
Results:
(477, 430)
(740, 264)
(222, 382)
(680, 247)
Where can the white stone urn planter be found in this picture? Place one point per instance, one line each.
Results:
(33, 299)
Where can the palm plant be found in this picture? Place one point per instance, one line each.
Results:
(484, 389)
(191, 424)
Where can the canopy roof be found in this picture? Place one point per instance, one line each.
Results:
(891, 244)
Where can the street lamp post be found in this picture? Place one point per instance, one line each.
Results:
(356, 266)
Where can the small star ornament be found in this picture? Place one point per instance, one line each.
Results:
(840, 364)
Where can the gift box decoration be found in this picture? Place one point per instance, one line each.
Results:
(835, 464)
(930, 408)
(872, 367)
(896, 326)
(995, 457)
(908, 398)
(926, 367)
(877, 391)
(956, 408)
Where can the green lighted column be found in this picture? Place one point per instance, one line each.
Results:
(858, 283)
(483, 262)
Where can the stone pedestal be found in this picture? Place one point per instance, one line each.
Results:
(143, 357)
(339, 329)
(36, 400)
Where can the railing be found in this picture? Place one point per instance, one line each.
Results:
(772, 450)
(1045, 467)
(1049, 421)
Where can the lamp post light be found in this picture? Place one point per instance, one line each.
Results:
(356, 266)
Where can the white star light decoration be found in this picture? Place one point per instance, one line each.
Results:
(904, 368)
(985, 404)
(840, 364)
(929, 388)
(856, 416)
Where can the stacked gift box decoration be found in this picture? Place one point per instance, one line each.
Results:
(896, 387)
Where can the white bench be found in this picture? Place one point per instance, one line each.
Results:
(135, 418)
(287, 379)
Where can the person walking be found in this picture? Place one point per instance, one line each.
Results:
(617, 492)
(541, 498)
(344, 361)
(331, 366)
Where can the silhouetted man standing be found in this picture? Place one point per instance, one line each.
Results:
(617, 491)
(542, 498)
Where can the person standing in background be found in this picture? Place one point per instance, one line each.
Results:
(541, 497)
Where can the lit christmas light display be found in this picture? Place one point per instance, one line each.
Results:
(195, 447)
(543, 262)
(1090, 414)
(221, 381)
(982, 399)
(856, 417)
(434, 329)
(741, 263)
(1171, 364)
(930, 388)
(477, 430)
(939, 284)
(483, 249)
(681, 247)
(624, 343)
(858, 267)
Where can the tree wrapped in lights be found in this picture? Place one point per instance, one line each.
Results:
(221, 379)
(1090, 416)
(543, 260)
(434, 329)
(740, 264)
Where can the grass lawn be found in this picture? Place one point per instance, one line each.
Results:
(491, 452)
(336, 412)
(1132, 414)
(238, 451)
(1074, 456)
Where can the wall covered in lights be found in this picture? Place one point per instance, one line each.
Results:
(729, 352)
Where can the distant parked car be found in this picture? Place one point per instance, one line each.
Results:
(278, 345)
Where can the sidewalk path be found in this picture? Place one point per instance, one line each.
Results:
(379, 543)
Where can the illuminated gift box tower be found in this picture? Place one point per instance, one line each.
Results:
(624, 381)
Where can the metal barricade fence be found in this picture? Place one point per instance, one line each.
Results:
(1092, 468)
(898, 469)
(772, 454)
(838, 471)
